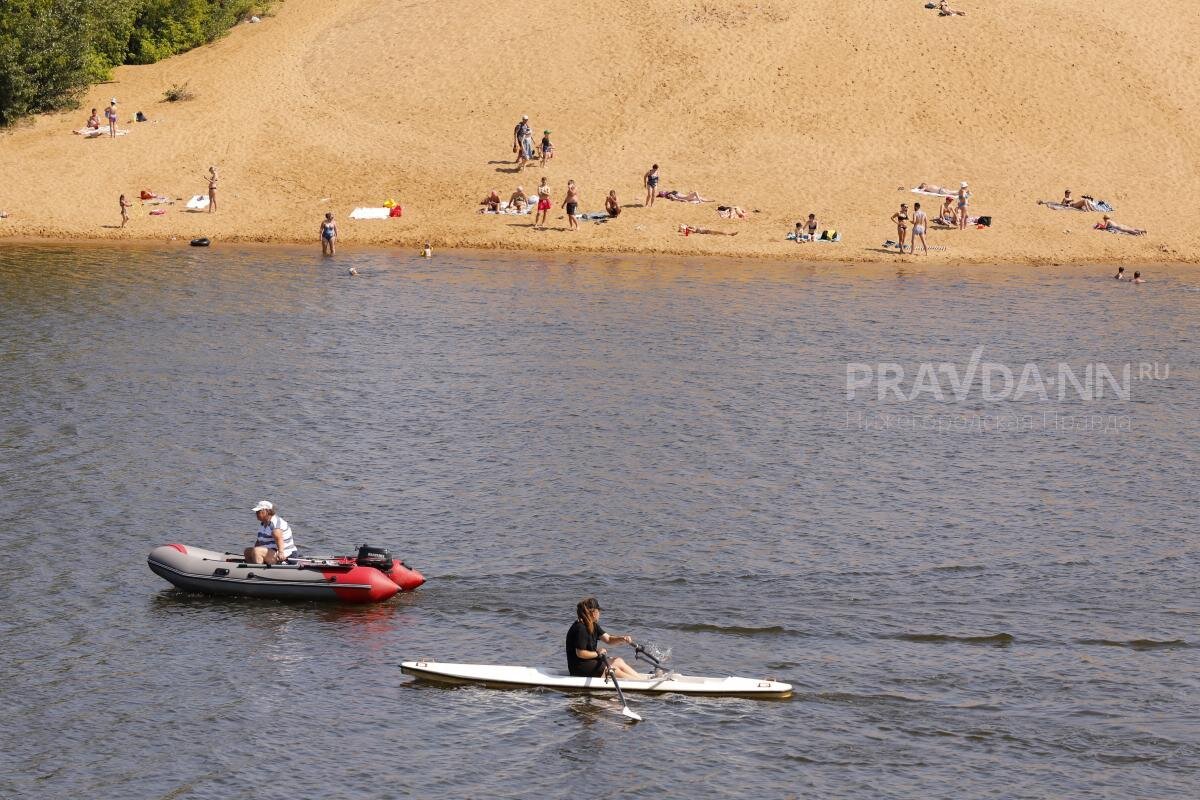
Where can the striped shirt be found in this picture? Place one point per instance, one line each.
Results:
(266, 535)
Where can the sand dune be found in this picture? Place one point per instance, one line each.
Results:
(828, 108)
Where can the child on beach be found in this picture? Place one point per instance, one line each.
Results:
(93, 122)
(571, 202)
(125, 206)
(328, 235)
(547, 148)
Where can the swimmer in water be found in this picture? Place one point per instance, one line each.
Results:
(353, 271)
(1137, 278)
(328, 235)
(428, 251)
(1120, 274)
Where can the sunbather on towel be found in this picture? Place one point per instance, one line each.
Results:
(731, 212)
(688, 230)
(944, 10)
(491, 202)
(930, 188)
(680, 197)
(948, 216)
(1109, 225)
(518, 201)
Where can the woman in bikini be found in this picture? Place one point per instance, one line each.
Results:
(518, 201)
(920, 222)
(543, 206)
(901, 220)
(947, 217)
(963, 198)
(125, 206)
(212, 189)
(812, 226)
(650, 179)
(328, 235)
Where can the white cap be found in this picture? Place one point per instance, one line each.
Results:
(964, 184)
(524, 116)
(263, 505)
(114, 101)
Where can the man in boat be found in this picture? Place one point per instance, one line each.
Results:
(583, 651)
(274, 543)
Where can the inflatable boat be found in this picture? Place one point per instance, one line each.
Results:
(370, 577)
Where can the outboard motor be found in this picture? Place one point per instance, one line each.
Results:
(377, 557)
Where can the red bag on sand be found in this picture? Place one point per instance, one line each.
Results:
(146, 195)
(397, 211)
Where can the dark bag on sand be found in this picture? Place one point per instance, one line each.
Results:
(984, 221)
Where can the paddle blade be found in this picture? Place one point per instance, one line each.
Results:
(631, 714)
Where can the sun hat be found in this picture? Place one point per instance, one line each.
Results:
(263, 505)
(524, 116)
(546, 132)
(114, 101)
(964, 184)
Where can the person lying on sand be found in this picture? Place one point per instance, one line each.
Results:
(1085, 203)
(731, 212)
(491, 202)
(930, 188)
(688, 230)
(1109, 225)
(518, 201)
(612, 206)
(679, 197)
(944, 10)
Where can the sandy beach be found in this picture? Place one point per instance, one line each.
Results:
(835, 109)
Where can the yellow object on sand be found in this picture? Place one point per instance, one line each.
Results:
(389, 203)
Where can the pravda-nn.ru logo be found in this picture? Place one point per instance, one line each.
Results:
(946, 381)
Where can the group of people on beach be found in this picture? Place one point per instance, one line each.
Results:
(955, 212)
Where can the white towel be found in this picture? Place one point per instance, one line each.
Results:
(198, 203)
(370, 213)
(944, 193)
(92, 133)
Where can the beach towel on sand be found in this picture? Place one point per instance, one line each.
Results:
(943, 193)
(198, 202)
(371, 213)
(92, 133)
(804, 237)
(1100, 227)
(506, 209)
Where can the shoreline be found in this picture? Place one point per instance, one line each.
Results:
(806, 255)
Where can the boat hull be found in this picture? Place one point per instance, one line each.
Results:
(338, 580)
(497, 676)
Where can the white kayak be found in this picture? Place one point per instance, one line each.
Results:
(498, 676)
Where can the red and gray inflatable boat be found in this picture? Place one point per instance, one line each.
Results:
(370, 577)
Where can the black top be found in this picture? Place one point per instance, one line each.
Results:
(578, 638)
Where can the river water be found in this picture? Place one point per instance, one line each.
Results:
(985, 596)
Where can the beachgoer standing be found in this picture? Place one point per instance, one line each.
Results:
(328, 235)
(212, 189)
(125, 206)
(543, 206)
(650, 179)
(920, 222)
(110, 114)
(570, 203)
(901, 220)
(963, 197)
(547, 148)
(523, 142)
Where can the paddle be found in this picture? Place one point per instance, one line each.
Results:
(625, 709)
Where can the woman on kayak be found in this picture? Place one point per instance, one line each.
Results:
(583, 655)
